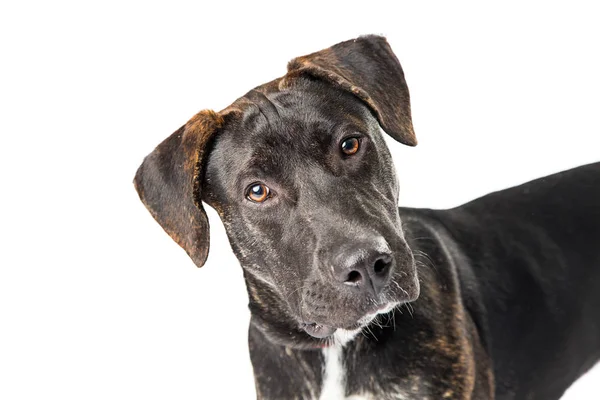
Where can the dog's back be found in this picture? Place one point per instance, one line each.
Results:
(534, 263)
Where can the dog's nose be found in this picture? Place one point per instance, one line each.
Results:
(365, 270)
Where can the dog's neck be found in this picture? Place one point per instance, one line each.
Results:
(334, 374)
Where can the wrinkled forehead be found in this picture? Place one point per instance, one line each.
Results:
(279, 128)
(302, 115)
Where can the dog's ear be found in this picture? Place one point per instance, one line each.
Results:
(168, 183)
(368, 68)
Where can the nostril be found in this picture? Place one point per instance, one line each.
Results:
(381, 266)
(354, 277)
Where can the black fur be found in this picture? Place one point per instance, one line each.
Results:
(494, 299)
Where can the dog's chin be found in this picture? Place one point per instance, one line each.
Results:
(323, 331)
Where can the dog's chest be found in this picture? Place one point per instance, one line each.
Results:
(336, 376)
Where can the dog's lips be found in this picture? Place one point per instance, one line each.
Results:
(365, 320)
(319, 331)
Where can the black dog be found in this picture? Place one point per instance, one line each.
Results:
(352, 297)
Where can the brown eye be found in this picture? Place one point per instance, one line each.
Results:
(258, 192)
(350, 146)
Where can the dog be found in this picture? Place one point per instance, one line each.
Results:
(352, 297)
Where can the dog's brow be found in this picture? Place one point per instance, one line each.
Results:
(350, 127)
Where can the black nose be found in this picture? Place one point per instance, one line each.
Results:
(367, 271)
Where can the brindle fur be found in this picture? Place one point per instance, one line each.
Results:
(507, 285)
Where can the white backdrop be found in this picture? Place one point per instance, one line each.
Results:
(96, 301)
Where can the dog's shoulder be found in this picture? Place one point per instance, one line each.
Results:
(528, 255)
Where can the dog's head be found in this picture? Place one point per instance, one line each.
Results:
(303, 181)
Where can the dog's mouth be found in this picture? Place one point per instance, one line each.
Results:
(317, 330)
(322, 331)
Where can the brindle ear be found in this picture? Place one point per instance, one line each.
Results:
(368, 68)
(168, 183)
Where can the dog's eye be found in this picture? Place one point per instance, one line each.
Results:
(350, 146)
(258, 192)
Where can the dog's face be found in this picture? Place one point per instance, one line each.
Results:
(307, 190)
(303, 181)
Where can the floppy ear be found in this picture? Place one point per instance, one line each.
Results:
(168, 183)
(368, 68)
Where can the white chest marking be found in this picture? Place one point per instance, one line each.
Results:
(334, 373)
(334, 376)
